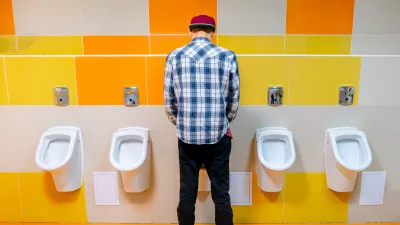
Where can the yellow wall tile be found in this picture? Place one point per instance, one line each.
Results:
(265, 208)
(42, 203)
(318, 44)
(3, 84)
(45, 45)
(316, 80)
(31, 80)
(258, 73)
(8, 45)
(10, 204)
(307, 199)
(248, 44)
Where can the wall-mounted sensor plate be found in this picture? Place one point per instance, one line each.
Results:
(131, 96)
(346, 95)
(61, 96)
(275, 96)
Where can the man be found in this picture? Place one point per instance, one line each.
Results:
(201, 93)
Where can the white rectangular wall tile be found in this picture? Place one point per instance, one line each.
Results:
(115, 17)
(375, 45)
(376, 17)
(372, 188)
(240, 188)
(106, 188)
(251, 17)
(379, 81)
(47, 17)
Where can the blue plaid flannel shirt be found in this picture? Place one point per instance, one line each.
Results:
(201, 91)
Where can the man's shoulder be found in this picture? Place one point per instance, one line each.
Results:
(177, 51)
(220, 51)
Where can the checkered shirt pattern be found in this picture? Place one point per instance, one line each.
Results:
(201, 91)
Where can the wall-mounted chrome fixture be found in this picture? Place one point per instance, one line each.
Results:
(61, 96)
(275, 96)
(346, 95)
(131, 96)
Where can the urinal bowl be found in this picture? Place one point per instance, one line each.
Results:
(341, 174)
(133, 160)
(269, 180)
(67, 175)
(274, 157)
(138, 180)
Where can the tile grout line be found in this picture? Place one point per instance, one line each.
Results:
(149, 44)
(6, 80)
(15, 32)
(20, 197)
(290, 66)
(76, 83)
(83, 46)
(352, 29)
(147, 84)
(76, 77)
(284, 44)
(16, 44)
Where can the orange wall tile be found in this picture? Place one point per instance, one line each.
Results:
(6, 18)
(173, 16)
(155, 80)
(116, 44)
(319, 16)
(101, 80)
(168, 43)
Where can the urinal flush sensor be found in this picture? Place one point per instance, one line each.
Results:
(275, 96)
(131, 96)
(346, 95)
(61, 96)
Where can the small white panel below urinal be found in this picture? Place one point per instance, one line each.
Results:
(241, 188)
(372, 188)
(106, 188)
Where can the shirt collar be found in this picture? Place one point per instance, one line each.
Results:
(200, 39)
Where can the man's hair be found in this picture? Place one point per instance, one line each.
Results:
(205, 29)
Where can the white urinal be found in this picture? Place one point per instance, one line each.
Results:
(346, 153)
(275, 154)
(131, 156)
(60, 152)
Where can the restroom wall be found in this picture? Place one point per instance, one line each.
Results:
(96, 47)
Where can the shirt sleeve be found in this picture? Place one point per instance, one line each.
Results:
(170, 102)
(233, 91)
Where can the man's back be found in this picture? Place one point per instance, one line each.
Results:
(201, 91)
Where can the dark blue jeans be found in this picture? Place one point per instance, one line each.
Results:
(215, 158)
